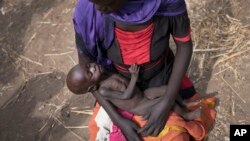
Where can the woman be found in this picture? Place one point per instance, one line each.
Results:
(119, 33)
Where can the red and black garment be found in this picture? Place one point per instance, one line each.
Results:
(149, 48)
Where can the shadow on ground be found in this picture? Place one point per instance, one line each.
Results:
(13, 25)
(26, 112)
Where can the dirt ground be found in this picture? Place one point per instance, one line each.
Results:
(37, 50)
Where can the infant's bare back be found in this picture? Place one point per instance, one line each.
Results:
(119, 83)
(115, 82)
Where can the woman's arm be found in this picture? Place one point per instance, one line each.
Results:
(181, 63)
(180, 30)
(83, 58)
(159, 113)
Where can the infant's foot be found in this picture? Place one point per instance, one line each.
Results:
(193, 103)
(193, 115)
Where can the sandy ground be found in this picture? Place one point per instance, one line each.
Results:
(37, 50)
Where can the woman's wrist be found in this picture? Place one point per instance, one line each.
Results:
(169, 98)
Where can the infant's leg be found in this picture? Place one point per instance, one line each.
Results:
(155, 92)
(187, 115)
(183, 103)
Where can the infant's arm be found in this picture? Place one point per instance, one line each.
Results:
(129, 91)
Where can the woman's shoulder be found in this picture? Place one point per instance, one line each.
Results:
(86, 14)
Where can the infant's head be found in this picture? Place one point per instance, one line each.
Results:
(84, 78)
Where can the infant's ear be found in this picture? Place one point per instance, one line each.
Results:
(92, 88)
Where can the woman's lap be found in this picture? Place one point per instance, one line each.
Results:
(201, 125)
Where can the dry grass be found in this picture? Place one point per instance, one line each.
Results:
(68, 128)
(218, 34)
(214, 30)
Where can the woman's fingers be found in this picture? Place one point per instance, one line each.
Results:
(146, 116)
(144, 128)
(149, 131)
(156, 132)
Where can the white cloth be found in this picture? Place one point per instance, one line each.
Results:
(104, 123)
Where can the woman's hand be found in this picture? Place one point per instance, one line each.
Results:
(129, 129)
(157, 117)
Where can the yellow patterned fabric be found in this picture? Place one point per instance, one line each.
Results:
(166, 130)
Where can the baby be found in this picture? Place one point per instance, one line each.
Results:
(123, 93)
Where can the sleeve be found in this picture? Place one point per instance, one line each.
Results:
(80, 45)
(80, 25)
(89, 32)
(89, 26)
(78, 40)
(180, 28)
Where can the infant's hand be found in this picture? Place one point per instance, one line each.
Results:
(134, 69)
